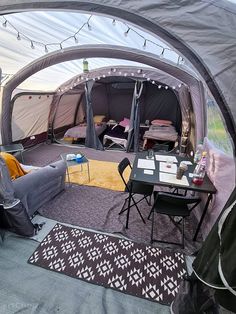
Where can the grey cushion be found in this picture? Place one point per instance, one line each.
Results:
(39, 186)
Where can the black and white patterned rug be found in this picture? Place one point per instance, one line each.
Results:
(137, 269)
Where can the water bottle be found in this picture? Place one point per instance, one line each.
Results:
(200, 170)
(198, 153)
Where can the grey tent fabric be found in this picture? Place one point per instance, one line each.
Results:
(216, 259)
(186, 26)
(92, 139)
(133, 137)
(13, 214)
(6, 187)
(98, 51)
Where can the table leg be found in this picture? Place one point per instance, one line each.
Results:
(128, 208)
(68, 175)
(202, 217)
(88, 171)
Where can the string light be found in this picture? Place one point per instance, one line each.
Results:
(125, 74)
(126, 32)
(145, 44)
(33, 43)
(162, 53)
(20, 35)
(4, 24)
(89, 26)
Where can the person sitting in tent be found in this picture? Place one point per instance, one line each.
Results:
(13, 165)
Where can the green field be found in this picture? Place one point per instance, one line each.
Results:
(216, 130)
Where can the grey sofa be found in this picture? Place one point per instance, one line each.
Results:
(39, 186)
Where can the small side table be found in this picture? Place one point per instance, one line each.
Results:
(69, 163)
(13, 148)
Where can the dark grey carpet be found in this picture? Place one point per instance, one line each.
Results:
(98, 208)
(44, 154)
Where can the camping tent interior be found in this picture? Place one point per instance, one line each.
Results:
(174, 52)
(111, 97)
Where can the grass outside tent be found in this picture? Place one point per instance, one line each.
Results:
(216, 130)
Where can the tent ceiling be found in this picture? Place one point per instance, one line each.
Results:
(186, 26)
(46, 28)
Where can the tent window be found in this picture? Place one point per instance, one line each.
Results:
(216, 129)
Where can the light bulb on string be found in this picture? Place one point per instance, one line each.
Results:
(89, 26)
(62, 50)
(114, 22)
(76, 39)
(153, 82)
(162, 53)
(46, 49)
(166, 87)
(4, 24)
(145, 44)
(126, 32)
(32, 45)
(18, 36)
(159, 86)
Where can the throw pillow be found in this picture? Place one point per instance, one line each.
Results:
(99, 118)
(124, 122)
(161, 122)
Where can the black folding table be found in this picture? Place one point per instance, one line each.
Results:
(138, 175)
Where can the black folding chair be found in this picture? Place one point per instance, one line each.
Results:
(172, 205)
(133, 188)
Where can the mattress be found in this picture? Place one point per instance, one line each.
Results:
(79, 131)
(162, 133)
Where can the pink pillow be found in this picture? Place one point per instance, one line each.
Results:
(124, 123)
(161, 122)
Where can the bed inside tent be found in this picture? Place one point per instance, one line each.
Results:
(111, 104)
(163, 113)
(183, 90)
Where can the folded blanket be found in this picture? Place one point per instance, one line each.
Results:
(13, 165)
